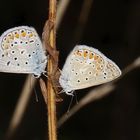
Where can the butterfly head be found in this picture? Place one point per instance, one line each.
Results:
(40, 69)
(65, 85)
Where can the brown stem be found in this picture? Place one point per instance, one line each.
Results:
(49, 42)
(51, 104)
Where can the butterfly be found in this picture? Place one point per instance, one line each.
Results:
(85, 67)
(21, 51)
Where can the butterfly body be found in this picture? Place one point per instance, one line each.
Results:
(21, 51)
(86, 67)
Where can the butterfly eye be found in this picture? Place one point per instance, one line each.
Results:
(2, 55)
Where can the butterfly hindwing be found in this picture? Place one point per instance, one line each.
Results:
(21, 51)
(85, 67)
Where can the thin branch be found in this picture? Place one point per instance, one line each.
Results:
(51, 101)
(97, 93)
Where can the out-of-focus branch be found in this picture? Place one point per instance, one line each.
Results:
(97, 93)
(21, 106)
(62, 6)
(83, 18)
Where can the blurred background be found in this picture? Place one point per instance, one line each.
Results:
(113, 27)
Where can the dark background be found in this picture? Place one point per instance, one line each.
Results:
(113, 26)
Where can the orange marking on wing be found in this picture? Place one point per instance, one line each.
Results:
(79, 53)
(16, 35)
(31, 34)
(96, 57)
(23, 34)
(91, 55)
(99, 60)
(85, 53)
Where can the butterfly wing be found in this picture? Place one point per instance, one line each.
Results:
(21, 51)
(85, 67)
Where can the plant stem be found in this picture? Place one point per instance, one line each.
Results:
(51, 104)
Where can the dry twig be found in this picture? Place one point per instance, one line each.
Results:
(49, 94)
